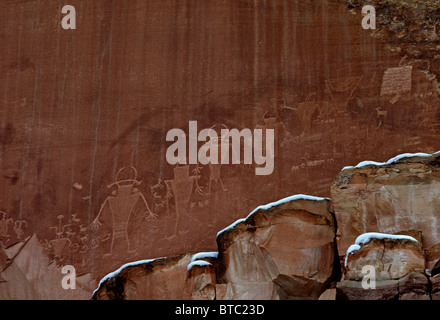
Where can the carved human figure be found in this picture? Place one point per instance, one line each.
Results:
(121, 205)
(19, 227)
(60, 243)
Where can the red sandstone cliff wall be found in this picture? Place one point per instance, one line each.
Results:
(77, 107)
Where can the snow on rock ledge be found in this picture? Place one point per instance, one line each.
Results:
(367, 237)
(392, 160)
(154, 279)
(398, 264)
(392, 255)
(272, 205)
(205, 255)
(198, 263)
(283, 250)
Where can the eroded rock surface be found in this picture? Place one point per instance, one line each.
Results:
(401, 194)
(84, 115)
(395, 263)
(285, 250)
(289, 248)
(161, 279)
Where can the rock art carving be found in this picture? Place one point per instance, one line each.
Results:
(221, 142)
(271, 121)
(396, 81)
(181, 187)
(18, 227)
(121, 205)
(4, 226)
(60, 243)
(161, 195)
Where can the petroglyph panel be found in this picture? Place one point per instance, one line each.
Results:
(84, 115)
(396, 80)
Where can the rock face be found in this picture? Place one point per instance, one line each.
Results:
(84, 117)
(161, 279)
(401, 194)
(290, 249)
(392, 258)
(413, 286)
(27, 273)
(395, 263)
(201, 282)
(286, 251)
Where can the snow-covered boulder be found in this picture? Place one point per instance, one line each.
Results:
(282, 250)
(392, 256)
(384, 266)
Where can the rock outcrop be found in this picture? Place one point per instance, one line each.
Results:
(400, 194)
(26, 273)
(376, 238)
(202, 276)
(161, 279)
(395, 263)
(284, 250)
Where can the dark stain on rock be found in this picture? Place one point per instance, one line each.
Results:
(7, 134)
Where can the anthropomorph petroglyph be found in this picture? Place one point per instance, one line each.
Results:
(61, 242)
(4, 227)
(182, 186)
(121, 205)
(19, 227)
(161, 195)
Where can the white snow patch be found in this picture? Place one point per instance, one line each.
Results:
(204, 255)
(273, 204)
(231, 226)
(390, 161)
(367, 237)
(353, 248)
(116, 272)
(407, 155)
(198, 263)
